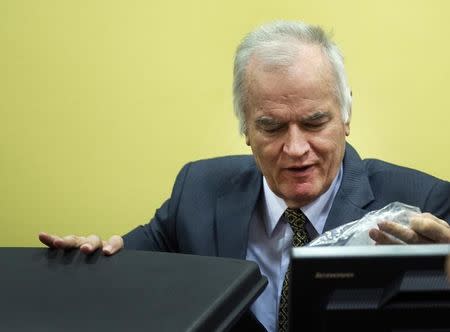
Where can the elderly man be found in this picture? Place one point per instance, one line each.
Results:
(294, 106)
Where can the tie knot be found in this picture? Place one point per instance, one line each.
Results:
(297, 220)
(295, 217)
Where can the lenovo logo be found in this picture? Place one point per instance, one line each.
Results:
(334, 275)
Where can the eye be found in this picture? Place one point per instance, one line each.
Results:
(272, 128)
(317, 121)
(315, 125)
(269, 125)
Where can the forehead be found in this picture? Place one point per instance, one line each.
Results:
(309, 76)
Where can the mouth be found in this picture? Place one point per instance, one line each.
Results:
(299, 170)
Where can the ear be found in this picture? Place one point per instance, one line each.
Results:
(347, 124)
(247, 139)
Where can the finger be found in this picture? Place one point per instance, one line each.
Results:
(92, 243)
(113, 245)
(382, 238)
(402, 233)
(70, 241)
(439, 221)
(49, 240)
(431, 227)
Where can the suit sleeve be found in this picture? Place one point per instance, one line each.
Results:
(160, 233)
(438, 201)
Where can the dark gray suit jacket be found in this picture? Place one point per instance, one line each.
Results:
(212, 202)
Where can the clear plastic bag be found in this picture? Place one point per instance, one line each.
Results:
(357, 232)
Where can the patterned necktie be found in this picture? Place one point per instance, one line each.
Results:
(297, 220)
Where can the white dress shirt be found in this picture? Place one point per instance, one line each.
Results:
(270, 241)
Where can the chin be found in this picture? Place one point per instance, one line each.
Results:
(301, 198)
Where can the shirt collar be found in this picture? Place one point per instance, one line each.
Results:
(275, 206)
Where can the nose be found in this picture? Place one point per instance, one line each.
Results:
(296, 143)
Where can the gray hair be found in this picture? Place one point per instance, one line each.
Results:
(276, 44)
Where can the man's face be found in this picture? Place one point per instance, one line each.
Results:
(294, 126)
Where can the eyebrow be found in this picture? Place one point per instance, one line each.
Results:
(266, 120)
(317, 116)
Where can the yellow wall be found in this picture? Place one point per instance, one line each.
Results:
(101, 102)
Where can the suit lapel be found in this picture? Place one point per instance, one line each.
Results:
(354, 193)
(233, 213)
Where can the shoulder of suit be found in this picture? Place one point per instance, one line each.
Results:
(222, 167)
(376, 167)
(217, 174)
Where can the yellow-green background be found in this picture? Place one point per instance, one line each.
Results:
(101, 102)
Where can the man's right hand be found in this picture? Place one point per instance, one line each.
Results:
(87, 244)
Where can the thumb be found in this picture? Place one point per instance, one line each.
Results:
(112, 245)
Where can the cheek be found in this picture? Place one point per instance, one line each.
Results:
(266, 153)
(330, 148)
(324, 147)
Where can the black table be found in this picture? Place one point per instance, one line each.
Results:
(55, 290)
